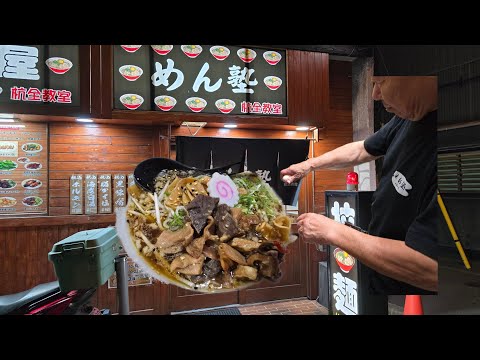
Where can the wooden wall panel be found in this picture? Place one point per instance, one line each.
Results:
(338, 130)
(92, 148)
(308, 87)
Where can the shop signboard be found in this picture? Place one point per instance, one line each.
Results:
(214, 79)
(40, 76)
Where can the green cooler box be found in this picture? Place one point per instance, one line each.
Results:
(85, 259)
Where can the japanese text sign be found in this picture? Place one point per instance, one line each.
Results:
(40, 75)
(200, 79)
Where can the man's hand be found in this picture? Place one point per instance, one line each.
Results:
(314, 228)
(295, 172)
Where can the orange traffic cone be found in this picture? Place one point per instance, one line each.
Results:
(413, 305)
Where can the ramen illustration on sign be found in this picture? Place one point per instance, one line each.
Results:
(196, 104)
(131, 101)
(272, 82)
(220, 52)
(246, 55)
(192, 51)
(225, 105)
(165, 102)
(162, 49)
(272, 57)
(7, 201)
(131, 48)
(59, 65)
(130, 72)
(32, 147)
(344, 260)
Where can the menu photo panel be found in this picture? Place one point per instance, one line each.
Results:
(23, 169)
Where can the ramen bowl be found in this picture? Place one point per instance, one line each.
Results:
(196, 104)
(131, 101)
(272, 57)
(131, 48)
(220, 52)
(59, 65)
(192, 51)
(162, 49)
(344, 260)
(225, 105)
(272, 82)
(130, 72)
(246, 55)
(165, 102)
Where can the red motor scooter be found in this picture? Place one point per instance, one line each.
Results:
(48, 299)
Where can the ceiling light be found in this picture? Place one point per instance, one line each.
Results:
(6, 116)
(303, 128)
(230, 126)
(85, 120)
(6, 120)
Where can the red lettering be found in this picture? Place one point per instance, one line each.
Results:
(18, 93)
(64, 96)
(34, 94)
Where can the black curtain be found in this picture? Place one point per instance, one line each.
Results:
(263, 156)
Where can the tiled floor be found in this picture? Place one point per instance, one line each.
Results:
(301, 306)
(289, 307)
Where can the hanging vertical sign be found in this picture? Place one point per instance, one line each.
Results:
(105, 194)
(90, 194)
(76, 194)
(119, 191)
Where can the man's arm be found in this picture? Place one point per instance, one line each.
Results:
(392, 258)
(344, 156)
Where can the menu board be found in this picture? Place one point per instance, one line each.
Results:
(119, 191)
(40, 75)
(23, 169)
(214, 79)
(76, 194)
(104, 194)
(90, 194)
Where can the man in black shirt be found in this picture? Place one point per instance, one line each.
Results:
(401, 246)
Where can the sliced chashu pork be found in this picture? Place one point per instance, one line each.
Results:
(195, 248)
(245, 245)
(187, 264)
(171, 242)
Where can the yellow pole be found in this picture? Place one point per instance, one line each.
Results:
(452, 231)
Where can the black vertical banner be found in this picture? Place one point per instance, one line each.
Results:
(227, 151)
(266, 157)
(262, 159)
(194, 151)
(291, 152)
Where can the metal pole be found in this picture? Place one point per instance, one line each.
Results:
(452, 231)
(121, 268)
